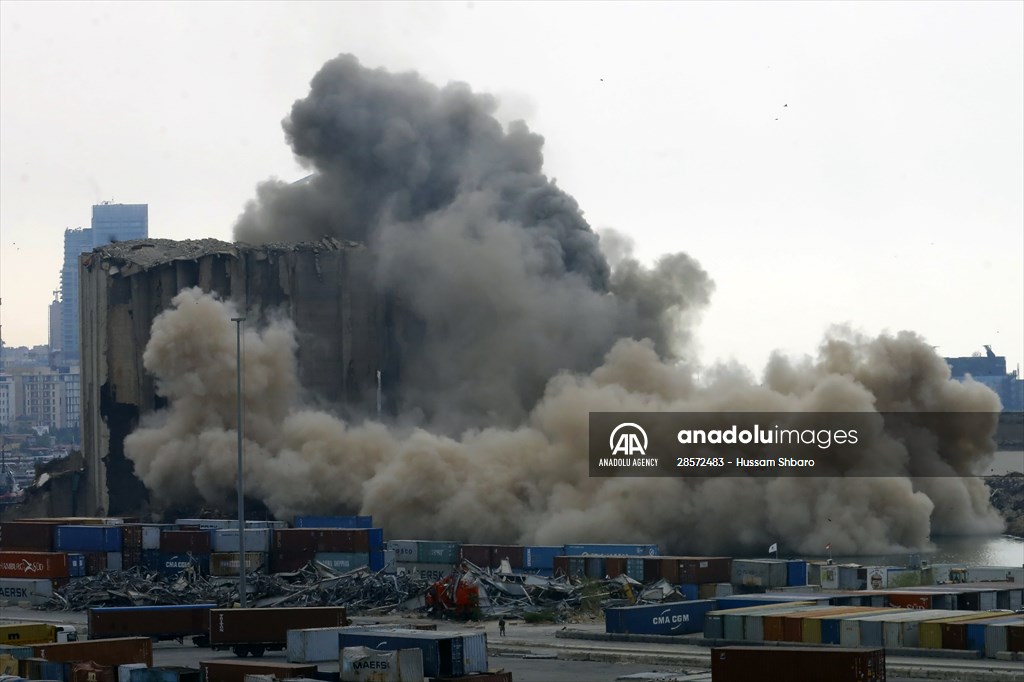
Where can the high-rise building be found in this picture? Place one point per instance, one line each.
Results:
(110, 223)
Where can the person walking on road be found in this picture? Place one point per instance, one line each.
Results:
(501, 626)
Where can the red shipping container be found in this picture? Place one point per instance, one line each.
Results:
(131, 538)
(95, 562)
(131, 557)
(235, 671)
(476, 554)
(286, 562)
(343, 540)
(514, 554)
(294, 540)
(185, 541)
(35, 537)
(699, 570)
(101, 651)
(797, 664)
(33, 565)
(615, 566)
(910, 601)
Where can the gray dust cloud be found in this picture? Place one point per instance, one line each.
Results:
(528, 321)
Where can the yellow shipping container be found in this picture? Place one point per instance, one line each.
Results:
(930, 632)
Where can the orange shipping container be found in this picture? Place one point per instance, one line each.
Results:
(33, 565)
(119, 651)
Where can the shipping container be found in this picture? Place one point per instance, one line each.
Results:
(429, 572)
(767, 573)
(360, 664)
(9, 665)
(227, 563)
(406, 551)
(124, 672)
(87, 671)
(635, 568)
(206, 524)
(444, 653)
(173, 564)
(930, 632)
(437, 552)
(272, 525)
(42, 669)
(1015, 638)
(101, 651)
(975, 631)
(167, 674)
(901, 629)
(675, 618)
(155, 622)
(16, 651)
(27, 536)
(340, 561)
(797, 664)
(256, 540)
(115, 561)
(333, 521)
(714, 621)
(313, 645)
(36, 592)
(476, 554)
(33, 565)
(771, 626)
(95, 562)
(796, 572)
(235, 671)
(131, 537)
(704, 569)
(185, 541)
(288, 562)
(87, 538)
(76, 565)
(260, 629)
(612, 550)
(514, 554)
(541, 556)
(28, 634)
(381, 559)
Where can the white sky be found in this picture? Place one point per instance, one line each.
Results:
(888, 194)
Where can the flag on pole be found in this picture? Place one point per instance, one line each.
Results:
(773, 548)
(828, 546)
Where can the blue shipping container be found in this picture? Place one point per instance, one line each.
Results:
(173, 564)
(675, 618)
(796, 573)
(376, 538)
(541, 556)
(445, 654)
(151, 559)
(18, 652)
(376, 560)
(76, 565)
(612, 550)
(87, 539)
(690, 591)
(333, 521)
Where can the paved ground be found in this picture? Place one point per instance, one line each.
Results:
(552, 659)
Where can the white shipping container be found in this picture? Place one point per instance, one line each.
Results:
(342, 561)
(428, 572)
(361, 664)
(151, 537)
(313, 645)
(23, 589)
(115, 561)
(265, 524)
(406, 551)
(124, 672)
(256, 540)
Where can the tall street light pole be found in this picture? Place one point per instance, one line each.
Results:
(241, 482)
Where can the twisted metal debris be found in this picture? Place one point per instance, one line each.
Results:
(314, 585)
(360, 591)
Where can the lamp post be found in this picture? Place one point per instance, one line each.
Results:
(241, 482)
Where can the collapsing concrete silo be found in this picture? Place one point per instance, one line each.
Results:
(343, 331)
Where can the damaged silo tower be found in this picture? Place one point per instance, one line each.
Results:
(325, 287)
